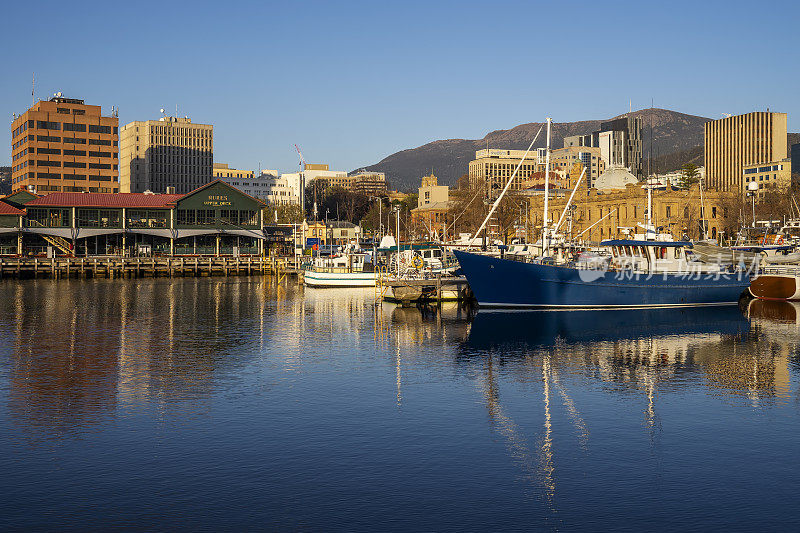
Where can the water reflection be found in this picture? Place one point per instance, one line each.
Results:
(648, 347)
(291, 397)
(79, 351)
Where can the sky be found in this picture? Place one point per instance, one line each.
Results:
(353, 82)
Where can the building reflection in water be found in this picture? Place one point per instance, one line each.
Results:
(82, 350)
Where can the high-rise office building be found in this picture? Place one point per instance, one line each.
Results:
(735, 142)
(492, 168)
(169, 152)
(620, 143)
(64, 145)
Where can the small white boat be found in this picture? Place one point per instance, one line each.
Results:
(341, 270)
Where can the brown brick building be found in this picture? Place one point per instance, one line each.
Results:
(64, 145)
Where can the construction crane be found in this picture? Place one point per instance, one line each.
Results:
(303, 182)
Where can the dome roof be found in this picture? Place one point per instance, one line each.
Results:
(615, 177)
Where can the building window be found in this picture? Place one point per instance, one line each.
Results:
(45, 125)
(186, 217)
(248, 218)
(74, 127)
(87, 218)
(205, 217)
(229, 216)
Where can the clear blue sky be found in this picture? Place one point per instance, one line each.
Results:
(352, 82)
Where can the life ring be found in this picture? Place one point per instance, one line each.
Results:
(771, 239)
(417, 262)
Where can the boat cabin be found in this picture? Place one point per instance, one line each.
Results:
(341, 263)
(648, 256)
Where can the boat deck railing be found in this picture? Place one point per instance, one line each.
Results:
(336, 270)
(790, 270)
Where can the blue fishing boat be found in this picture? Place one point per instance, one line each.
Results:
(637, 273)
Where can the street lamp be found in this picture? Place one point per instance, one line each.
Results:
(327, 242)
(752, 189)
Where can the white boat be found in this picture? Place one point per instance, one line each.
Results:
(349, 269)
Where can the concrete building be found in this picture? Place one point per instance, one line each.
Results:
(368, 183)
(575, 141)
(221, 171)
(492, 168)
(563, 160)
(430, 192)
(64, 145)
(274, 190)
(770, 175)
(432, 213)
(268, 187)
(342, 232)
(620, 143)
(170, 152)
(321, 172)
(743, 140)
(794, 154)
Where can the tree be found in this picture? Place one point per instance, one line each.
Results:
(689, 175)
(471, 204)
(286, 214)
(339, 203)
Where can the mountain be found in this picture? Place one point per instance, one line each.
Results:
(674, 133)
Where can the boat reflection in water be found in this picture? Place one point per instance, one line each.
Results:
(629, 353)
(719, 345)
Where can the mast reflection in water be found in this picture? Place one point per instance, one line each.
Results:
(243, 403)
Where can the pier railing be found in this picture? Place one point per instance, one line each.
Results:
(114, 267)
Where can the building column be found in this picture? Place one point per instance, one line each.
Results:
(19, 243)
(171, 246)
(217, 250)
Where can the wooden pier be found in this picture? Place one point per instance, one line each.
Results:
(135, 267)
(438, 289)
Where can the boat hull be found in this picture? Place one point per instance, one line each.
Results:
(499, 282)
(776, 287)
(339, 279)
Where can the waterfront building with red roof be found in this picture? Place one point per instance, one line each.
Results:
(215, 219)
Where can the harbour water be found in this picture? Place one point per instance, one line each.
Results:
(233, 403)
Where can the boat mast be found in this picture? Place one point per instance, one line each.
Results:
(398, 241)
(702, 212)
(566, 207)
(546, 189)
(503, 192)
(649, 209)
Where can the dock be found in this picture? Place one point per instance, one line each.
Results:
(136, 267)
(412, 291)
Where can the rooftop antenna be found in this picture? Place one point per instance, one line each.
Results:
(176, 110)
(33, 87)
